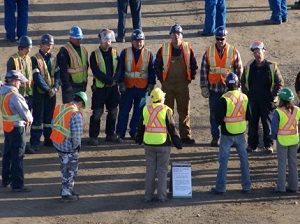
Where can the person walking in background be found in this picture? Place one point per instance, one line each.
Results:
(66, 136)
(135, 8)
(285, 131)
(233, 111)
(175, 67)
(215, 16)
(279, 12)
(136, 78)
(297, 89)
(46, 83)
(157, 131)
(104, 63)
(261, 82)
(15, 115)
(218, 60)
(21, 61)
(15, 26)
(72, 59)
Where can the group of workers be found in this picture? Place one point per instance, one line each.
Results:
(120, 82)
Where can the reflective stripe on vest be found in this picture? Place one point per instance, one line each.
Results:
(288, 126)
(272, 67)
(61, 120)
(43, 70)
(219, 67)
(25, 88)
(235, 119)
(156, 131)
(166, 52)
(78, 65)
(7, 116)
(136, 73)
(101, 64)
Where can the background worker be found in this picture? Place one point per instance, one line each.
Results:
(285, 131)
(175, 67)
(104, 62)
(72, 60)
(233, 111)
(261, 82)
(15, 19)
(136, 77)
(215, 16)
(21, 61)
(15, 115)
(46, 83)
(218, 60)
(297, 89)
(66, 136)
(157, 130)
(136, 15)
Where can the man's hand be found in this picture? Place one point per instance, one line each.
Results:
(52, 92)
(122, 88)
(205, 92)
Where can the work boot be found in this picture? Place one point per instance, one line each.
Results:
(272, 22)
(188, 141)
(69, 198)
(269, 149)
(22, 189)
(112, 138)
(93, 141)
(29, 150)
(119, 139)
(250, 149)
(120, 39)
(214, 142)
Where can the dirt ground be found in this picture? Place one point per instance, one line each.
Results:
(111, 177)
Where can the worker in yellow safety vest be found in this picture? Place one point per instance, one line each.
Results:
(157, 131)
(72, 60)
(285, 131)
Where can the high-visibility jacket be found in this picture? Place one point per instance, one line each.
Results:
(61, 122)
(101, 64)
(43, 70)
(273, 68)
(136, 73)
(166, 52)
(235, 119)
(288, 126)
(25, 89)
(8, 117)
(78, 65)
(219, 67)
(156, 131)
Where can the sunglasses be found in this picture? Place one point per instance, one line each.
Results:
(220, 38)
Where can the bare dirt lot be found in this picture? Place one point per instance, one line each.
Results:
(111, 177)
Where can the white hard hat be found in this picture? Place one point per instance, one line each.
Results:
(257, 45)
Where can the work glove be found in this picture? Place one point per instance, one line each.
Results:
(122, 88)
(150, 87)
(205, 91)
(52, 92)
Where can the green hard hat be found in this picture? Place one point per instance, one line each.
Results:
(83, 96)
(286, 94)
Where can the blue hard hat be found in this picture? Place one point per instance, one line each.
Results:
(75, 32)
(25, 41)
(137, 35)
(176, 29)
(232, 81)
(221, 31)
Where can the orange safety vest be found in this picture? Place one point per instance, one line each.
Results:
(136, 73)
(235, 119)
(61, 122)
(156, 131)
(166, 52)
(8, 117)
(43, 70)
(288, 126)
(25, 88)
(219, 67)
(78, 65)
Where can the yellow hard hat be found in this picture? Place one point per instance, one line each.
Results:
(156, 95)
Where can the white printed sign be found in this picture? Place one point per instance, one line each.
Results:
(181, 180)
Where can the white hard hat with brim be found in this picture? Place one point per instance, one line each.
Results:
(15, 75)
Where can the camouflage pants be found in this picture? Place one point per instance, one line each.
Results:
(68, 169)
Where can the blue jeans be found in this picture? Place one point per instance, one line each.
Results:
(214, 100)
(10, 20)
(215, 15)
(239, 142)
(279, 10)
(12, 161)
(135, 8)
(133, 96)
